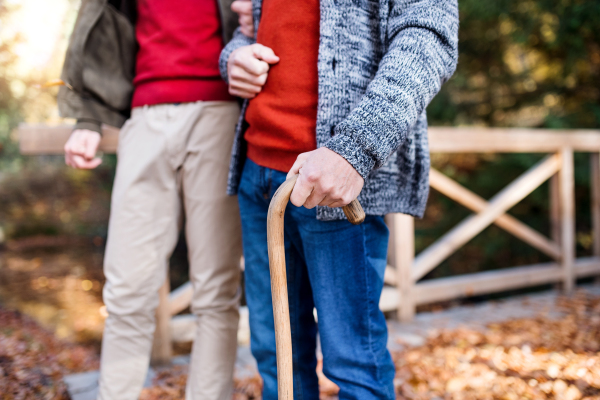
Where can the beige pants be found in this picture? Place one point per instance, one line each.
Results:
(172, 159)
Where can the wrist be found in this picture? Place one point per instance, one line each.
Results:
(348, 148)
(89, 124)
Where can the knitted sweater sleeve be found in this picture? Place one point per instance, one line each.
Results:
(238, 40)
(422, 52)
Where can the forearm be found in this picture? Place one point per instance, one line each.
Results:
(421, 56)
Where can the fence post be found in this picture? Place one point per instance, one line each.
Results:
(554, 209)
(595, 202)
(554, 196)
(161, 347)
(567, 217)
(402, 254)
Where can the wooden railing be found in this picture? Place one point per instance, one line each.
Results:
(405, 288)
(560, 246)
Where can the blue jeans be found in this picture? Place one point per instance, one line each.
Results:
(332, 266)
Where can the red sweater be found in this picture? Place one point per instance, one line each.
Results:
(283, 117)
(178, 57)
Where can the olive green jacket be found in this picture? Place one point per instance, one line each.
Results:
(100, 62)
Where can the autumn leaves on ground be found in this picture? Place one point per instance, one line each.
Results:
(540, 358)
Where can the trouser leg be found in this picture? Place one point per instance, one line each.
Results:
(346, 264)
(142, 233)
(257, 187)
(214, 243)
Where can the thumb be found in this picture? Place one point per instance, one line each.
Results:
(265, 53)
(91, 145)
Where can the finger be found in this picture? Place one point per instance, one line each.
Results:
(247, 31)
(241, 93)
(68, 160)
(241, 75)
(246, 25)
(91, 146)
(245, 20)
(314, 199)
(78, 161)
(340, 202)
(77, 149)
(95, 162)
(67, 147)
(264, 53)
(251, 64)
(82, 163)
(245, 87)
(297, 165)
(242, 7)
(69, 154)
(71, 146)
(326, 202)
(336, 204)
(88, 164)
(301, 191)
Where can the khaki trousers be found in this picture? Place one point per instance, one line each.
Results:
(172, 159)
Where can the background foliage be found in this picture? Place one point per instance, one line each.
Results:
(521, 64)
(532, 63)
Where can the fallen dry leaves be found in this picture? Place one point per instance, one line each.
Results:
(169, 383)
(539, 358)
(33, 361)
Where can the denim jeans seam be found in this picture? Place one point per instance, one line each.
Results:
(370, 306)
(270, 180)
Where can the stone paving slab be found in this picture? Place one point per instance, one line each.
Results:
(84, 386)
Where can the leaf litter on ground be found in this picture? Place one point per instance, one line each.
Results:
(539, 358)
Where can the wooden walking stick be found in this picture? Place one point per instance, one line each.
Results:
(281, 311)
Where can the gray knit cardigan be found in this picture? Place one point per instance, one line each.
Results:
(380, 64)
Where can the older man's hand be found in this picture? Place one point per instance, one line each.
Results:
(81, 148)
(247, 69)
(325, 179)
(244, 10)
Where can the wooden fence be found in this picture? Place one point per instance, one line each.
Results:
(405, 288)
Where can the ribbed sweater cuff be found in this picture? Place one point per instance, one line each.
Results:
(346, 146)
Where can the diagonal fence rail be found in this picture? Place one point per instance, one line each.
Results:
(405, 288)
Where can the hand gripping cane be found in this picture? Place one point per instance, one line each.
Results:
(281, 312)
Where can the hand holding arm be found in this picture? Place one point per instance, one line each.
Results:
(247, 69)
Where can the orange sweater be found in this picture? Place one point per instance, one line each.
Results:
(283, 117)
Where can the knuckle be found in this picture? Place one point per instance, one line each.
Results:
(262, 79)
(312, 176)
(328, 188)
(264, 68)
(235, 73)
